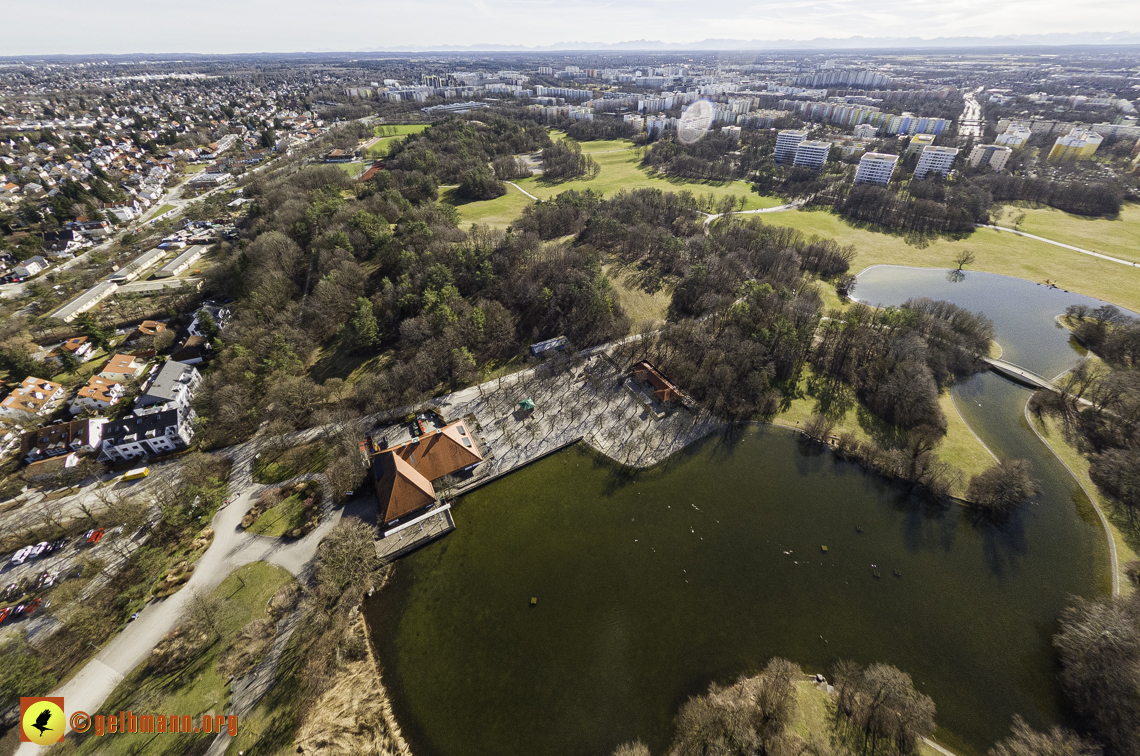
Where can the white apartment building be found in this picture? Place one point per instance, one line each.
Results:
(935, 160)
(786, 143)
(812, 154)
(876, 168)
(1015, 135)
(992, 155)
(732, 131)
(866, 131)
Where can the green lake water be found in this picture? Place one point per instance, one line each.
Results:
(652, 585)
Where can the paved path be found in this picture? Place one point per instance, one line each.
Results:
(524, 191)
(1059, 244)
(232, 548)
(1021, 374)
(778, 209)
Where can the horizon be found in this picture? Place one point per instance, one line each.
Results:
(292, 27)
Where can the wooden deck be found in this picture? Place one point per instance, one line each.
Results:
(417, 533)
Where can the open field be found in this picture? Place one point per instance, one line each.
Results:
(279, 520)
(196, 688)
(638, 303)
(161, 210)
(352, 169)
(1119, 237)
(497, 213)
(401, 129)
(996, 251)
(620, 170)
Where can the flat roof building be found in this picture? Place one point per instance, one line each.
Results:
(1014, 136)
(876, 168)
(812, 154)
(137, 267)
(1078, 144)
(918, 142)
(182, 262)
(786, 143)
(935, 160)
(992, 155)
(85, 301)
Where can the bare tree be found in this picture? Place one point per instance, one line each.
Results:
(963, 258)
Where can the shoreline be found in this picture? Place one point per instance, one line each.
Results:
(1114, 561)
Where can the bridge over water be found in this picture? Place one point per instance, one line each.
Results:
(1021, 375)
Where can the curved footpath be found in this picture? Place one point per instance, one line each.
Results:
(232, 548)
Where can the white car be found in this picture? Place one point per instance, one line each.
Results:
(38, 549)
(21, 556)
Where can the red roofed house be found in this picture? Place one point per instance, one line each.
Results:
(404, 473)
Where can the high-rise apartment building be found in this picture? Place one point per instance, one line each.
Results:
(935, 160)
(786, 143)
(876, 168)
(1078, 144)
(992, 155)
(919, 141)
(1015, 135)
(812, 154)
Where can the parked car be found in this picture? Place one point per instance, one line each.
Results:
(5, 612)
(94, 536)
(21, 556)
(39, 548)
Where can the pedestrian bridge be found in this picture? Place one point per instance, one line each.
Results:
(1021, 375)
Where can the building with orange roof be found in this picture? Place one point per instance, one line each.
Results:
(404, 474)
(35, 396)
(146, 328)
(99, 394)
(123, 367)
(80, 347)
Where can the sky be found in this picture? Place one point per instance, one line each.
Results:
(231, 26)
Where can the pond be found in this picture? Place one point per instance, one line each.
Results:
(652, 585)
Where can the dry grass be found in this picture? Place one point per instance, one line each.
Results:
(639, 304)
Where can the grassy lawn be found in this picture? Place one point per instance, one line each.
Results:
(401, 129)
(279, 520)
(996, 251)
(497, 213)
(620, 170)
(278, 467)
(1125, 534)
(352, 169)
(161, 210)
(196, 168)
(196, 688)
(1119, 237)
(272, 723)
(639, 304)
(813, 396)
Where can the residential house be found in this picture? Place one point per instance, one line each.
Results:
(35, 396)
(76, 437)
(403, 474)
(220, 314)
(153, 433)
(80, 347)
(146, 328)
(122, 368)
(99, 394)
(31, 267)
(173, 386)
(193, 351)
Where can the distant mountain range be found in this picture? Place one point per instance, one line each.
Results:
(819, 43)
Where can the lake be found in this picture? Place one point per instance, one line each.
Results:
(652, 585)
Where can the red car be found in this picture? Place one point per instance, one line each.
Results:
(5, 612)
(95, 536)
